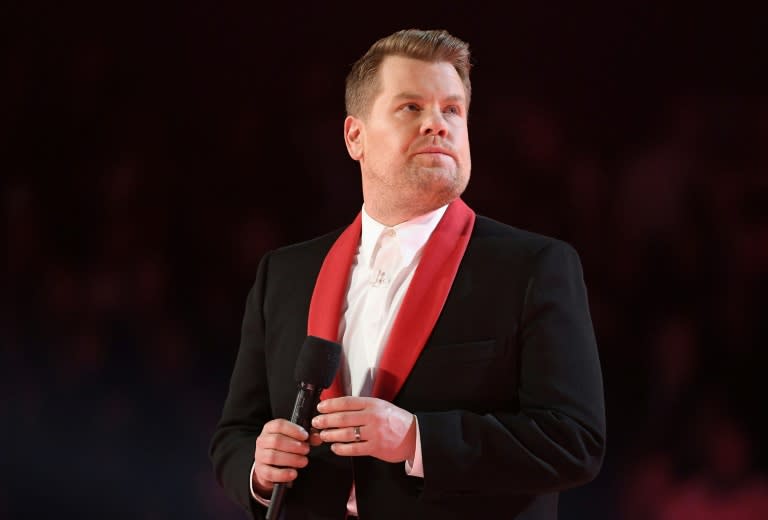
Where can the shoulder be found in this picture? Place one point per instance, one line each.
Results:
(500, 238)
(298, 260)
(293, 267)
(306, 250)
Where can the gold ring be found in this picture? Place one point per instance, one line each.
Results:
(357, 434)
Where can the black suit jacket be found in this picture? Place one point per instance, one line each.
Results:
(507, 391)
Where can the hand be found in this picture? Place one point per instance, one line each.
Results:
(281, 448)
(386, 431)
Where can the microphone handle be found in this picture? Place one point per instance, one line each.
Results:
(275, 503)
(303, 410)
(305, 406)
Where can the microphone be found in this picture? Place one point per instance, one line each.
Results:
(315, 369)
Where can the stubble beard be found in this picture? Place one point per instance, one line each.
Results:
(427, 188)
(418, 190)
(444, 186)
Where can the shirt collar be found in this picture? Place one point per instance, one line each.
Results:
(411, 234)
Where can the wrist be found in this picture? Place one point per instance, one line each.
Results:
(259, 488)
(411, 452)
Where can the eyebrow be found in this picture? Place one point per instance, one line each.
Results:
(410, 95)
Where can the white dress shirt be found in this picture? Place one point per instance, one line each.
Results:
(373, 298)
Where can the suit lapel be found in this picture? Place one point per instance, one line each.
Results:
(419, 310)
(330, 291)
(424, 299)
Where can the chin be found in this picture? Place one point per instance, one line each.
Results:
(449, 185)
(442, 195)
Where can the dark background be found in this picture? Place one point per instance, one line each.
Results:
(151, 153)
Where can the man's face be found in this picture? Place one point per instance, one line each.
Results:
(413, 145)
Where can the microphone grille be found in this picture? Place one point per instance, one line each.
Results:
(318, 362)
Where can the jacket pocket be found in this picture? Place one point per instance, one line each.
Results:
(463, 352)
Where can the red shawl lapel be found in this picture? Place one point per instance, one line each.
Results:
(330, 291)
(421, 305)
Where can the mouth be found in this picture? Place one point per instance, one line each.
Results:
(435, 150)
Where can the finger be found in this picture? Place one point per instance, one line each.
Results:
(314, 438)
(338, 420)
(280, 442)
(287, 428)
(280, 458)
(351, 449)
(341, 435)
(268, 475)
(341, 404)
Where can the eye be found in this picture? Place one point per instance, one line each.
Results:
(453, 110)
(411, 107)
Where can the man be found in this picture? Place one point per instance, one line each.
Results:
(470, 385)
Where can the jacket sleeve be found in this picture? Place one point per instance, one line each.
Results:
(247, 407)
(556, 439)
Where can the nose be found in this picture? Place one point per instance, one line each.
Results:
(434, 123)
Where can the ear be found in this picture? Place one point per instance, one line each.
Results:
(353, 137)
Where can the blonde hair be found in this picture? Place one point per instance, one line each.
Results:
(433, 46)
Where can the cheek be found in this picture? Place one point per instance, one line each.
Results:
(390, 143)
(382, 142)
(464, 144)
(393, 146)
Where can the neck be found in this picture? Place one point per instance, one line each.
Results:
(391, 218)
(390, 213)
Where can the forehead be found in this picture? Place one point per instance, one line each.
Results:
(398, 75)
